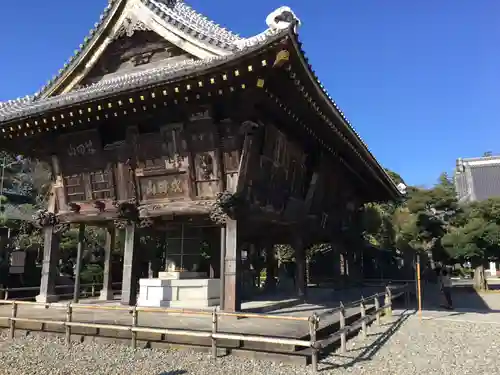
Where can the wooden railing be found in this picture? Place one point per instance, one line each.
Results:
(86, 290)
(215, 334)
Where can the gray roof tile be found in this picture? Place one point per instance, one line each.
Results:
(178, 14)
(30, 105)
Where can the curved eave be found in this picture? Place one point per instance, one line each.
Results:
(379, 173)
(134, 82)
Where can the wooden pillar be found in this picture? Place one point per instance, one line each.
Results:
(49, 266)
(107, 286)
(129, 279)
(300, 268)
(232, 262)
(271, 268)
(78, 268)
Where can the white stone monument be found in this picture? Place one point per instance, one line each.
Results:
(179, 289)
(493, 269)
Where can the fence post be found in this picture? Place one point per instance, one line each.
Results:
(362, 308)
(407, 296)
(69, 318)
(134, 324)
(13, 320)
(214, 331)
(343, 336)
(377, 309)
(313, 327)
(388, 301)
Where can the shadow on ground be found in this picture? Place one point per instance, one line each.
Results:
(366, 353)
(330, 298)
(465, 300)
(175, 372)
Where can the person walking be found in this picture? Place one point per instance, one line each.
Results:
(446, 287)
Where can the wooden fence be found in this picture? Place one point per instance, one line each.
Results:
(316, 345)
(86, 290)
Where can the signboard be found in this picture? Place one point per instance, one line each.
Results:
(167, 186)
(81, 151)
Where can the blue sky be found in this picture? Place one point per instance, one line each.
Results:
(419, 80)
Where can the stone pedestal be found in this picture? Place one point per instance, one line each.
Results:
(493, 269)
(179, 290)
(181, 275)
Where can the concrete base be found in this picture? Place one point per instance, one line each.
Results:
(46, 298)
(179, 293)
(106, 295)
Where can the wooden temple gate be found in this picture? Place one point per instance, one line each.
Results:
(232, 146)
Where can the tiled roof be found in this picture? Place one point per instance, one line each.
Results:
(193, 23)
(29, 105)
(176, 13)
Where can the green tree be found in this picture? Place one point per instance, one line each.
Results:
(430, 212)
(475, 237)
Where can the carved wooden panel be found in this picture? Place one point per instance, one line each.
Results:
(203, 147)
(168, 186)
(162, 152)
(230, 146)
(280, 173)
(174, 147)
(206, 166)
(231, 152)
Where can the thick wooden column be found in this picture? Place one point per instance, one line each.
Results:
(107, 287)
(232, 265)
(49, 266)
(300, 268)
(78, 268)
(129, 280)
(271, 268)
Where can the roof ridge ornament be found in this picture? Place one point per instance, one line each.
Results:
(279, 20)
(282, 18)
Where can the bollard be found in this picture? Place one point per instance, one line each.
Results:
(134, 324)
(407, 296)
(93, 290)
(377, 309)
(343, 336)
(388, 302)
(6, 295)
(362, 308)
(313, 327)
(214, 331)
(13, 321)
(69, 318)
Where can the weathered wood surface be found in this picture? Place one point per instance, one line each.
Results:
(281, 328)
(172, 168)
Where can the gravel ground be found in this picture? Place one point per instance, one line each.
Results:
(401, 347)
